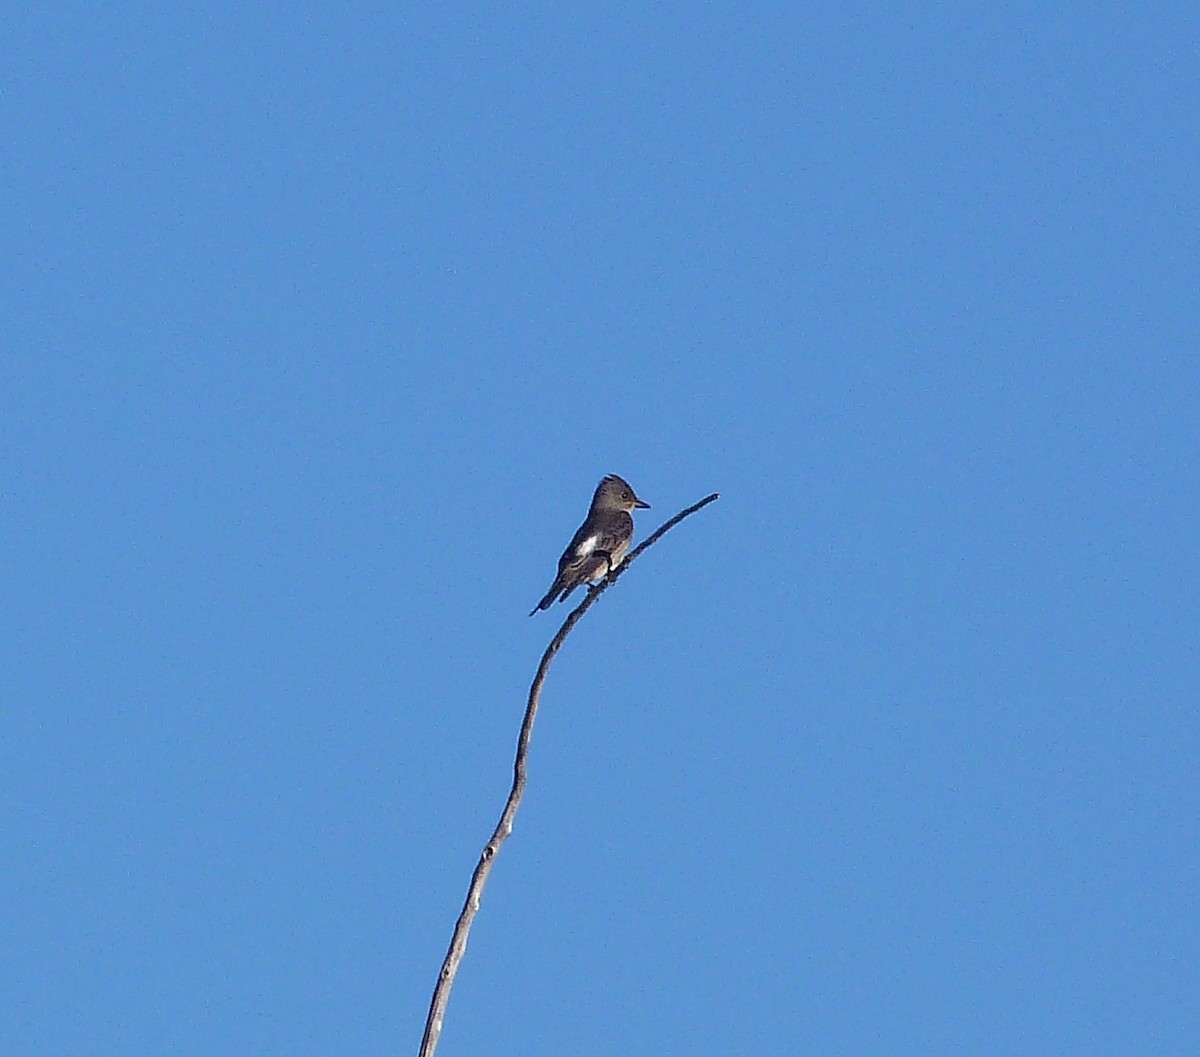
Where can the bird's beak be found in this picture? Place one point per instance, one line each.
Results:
(639, 505)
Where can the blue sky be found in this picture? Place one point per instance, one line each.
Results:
(321, 324)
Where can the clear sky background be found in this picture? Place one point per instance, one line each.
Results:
(320, 324)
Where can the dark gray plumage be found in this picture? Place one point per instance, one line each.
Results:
(601, 543)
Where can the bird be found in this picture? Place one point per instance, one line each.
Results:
(600, 544)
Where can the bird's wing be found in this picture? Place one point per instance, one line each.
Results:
(582, 544)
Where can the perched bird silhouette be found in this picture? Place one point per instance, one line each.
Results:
(601, 543)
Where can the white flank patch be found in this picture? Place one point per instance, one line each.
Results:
(587, 546)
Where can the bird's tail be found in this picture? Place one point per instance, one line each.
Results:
(548, 601)
(559, 590)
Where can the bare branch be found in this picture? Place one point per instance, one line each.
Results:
(462, 928)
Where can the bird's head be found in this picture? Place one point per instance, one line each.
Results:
(614, 493)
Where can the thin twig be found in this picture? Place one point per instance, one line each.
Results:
(458, 942)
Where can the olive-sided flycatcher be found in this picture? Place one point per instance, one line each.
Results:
(601, 543)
